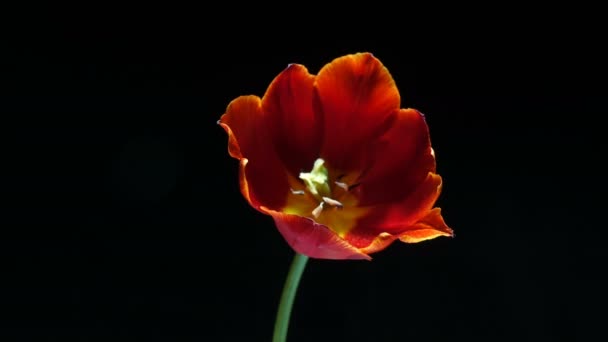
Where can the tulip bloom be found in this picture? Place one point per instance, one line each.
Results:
(340, 167)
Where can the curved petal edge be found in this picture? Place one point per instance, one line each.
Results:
(314, 240)
(429, 227)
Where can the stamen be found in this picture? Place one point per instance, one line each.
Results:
(317, 211)
(298, 192)
(333, 202)
(342, 185)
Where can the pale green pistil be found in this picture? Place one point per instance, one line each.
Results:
(317, 180)
(317, 183)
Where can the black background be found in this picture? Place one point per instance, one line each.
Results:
(124, 220)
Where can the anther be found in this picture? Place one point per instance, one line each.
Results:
(333, 202)
(298, 192)
(342, 185)
(317, 211)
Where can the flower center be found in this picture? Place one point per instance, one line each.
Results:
(317, 180)
(317, 184)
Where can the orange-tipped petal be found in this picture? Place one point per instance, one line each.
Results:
(395, 218)
(429, 227)
(241, 122)
(379, 243)
(398, 161)
(262, 176)
(356, 95)
(307, 237)
(294, 126)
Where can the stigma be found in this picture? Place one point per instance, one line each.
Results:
(317, 184)
(316, 181)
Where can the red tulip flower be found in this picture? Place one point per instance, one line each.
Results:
(340, 167)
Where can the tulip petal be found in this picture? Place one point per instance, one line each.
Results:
(429, 227)
(398, 161)
(379, 243)
(241, 123)
(315, 240)
(294, 126)
(356, 95)
(263, 177)
(395, 218)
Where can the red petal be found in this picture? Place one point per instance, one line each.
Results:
(293, 124)
(429, 227)
(357, 96)
(240, 122)
(379, 243)
(397, 162)
(263, 177)
(397, 217)
(307, 237)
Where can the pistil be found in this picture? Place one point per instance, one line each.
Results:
(317, 184)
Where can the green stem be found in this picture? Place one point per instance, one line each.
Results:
(289, 293)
